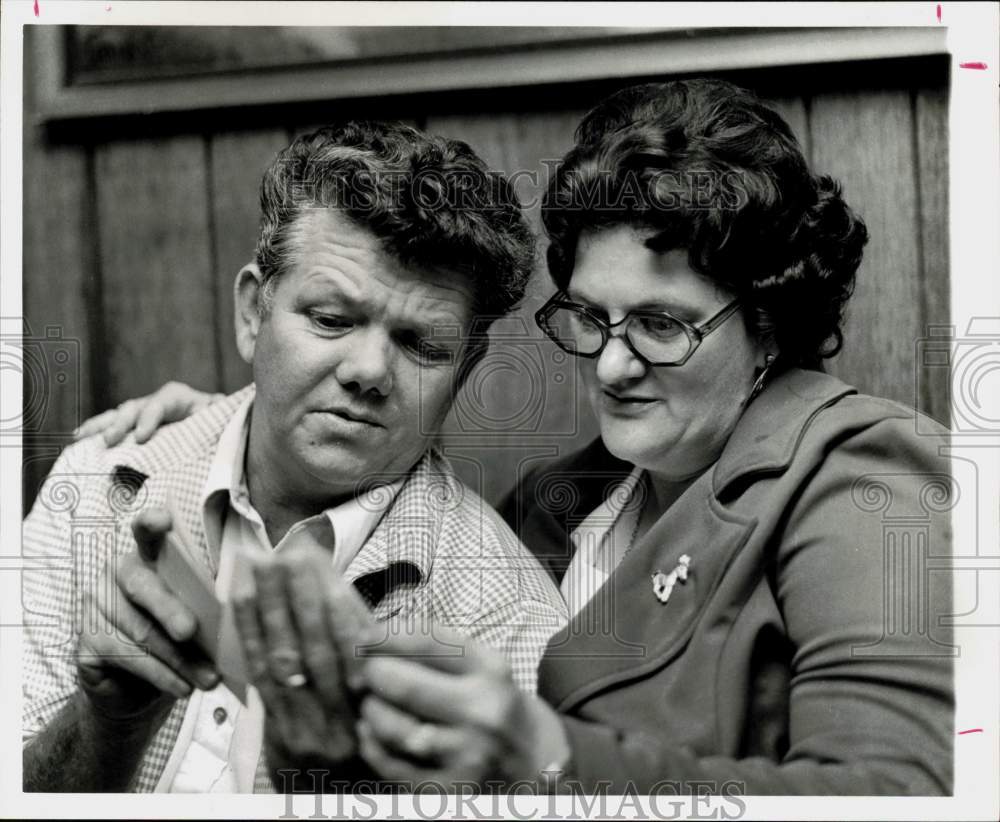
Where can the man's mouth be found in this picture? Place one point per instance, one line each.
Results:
(352, 415)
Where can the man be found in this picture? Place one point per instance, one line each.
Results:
(379, 250)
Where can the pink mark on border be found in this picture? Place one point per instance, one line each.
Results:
(36, 8)
(971, 731)
(939, 12)
(977, 66)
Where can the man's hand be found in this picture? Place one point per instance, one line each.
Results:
(171, 402)
(449, 718)
(133, 659)
(299, 634)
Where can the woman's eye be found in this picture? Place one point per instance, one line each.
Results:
(660, 326)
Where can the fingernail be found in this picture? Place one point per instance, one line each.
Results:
(181, 625)
(208, 678)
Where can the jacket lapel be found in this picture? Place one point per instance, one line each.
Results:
(626, 631)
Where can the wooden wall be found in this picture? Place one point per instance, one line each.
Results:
(135, 227)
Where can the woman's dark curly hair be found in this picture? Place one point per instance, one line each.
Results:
(431, 200)
(713, 170)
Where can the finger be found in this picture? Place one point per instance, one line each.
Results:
(106, 647)
(306, 576)
(406, 736)
(143, 588)
(427, 693)
(388, 765)
(141, 647)
(281, 641)
(150, 527)
(272, 694)
(352, 626)
(178, 400)
(251, 638)
(94, 425)
(149, 418)
(436, 646)
(124, 421)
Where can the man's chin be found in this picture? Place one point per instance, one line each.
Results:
(344, 467)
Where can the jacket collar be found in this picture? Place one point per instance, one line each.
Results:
(767, 435)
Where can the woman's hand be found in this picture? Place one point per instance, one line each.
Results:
(172, 402)
(444, 709)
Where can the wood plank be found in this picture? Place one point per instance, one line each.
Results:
(865, 140)
(525, 396)
(668, 53)
(238, 161)
(58, 286)
(159, 289)
(793, 110)
(932, 162)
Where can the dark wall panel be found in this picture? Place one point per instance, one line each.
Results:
(237, 161)
(865, 141)
(931, 116)
(158, 285)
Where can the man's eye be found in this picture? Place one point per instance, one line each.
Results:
(435, 355)
(426, 352)
(330, 322)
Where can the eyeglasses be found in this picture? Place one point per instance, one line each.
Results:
(655, 337)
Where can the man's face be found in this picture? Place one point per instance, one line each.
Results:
(354, 359)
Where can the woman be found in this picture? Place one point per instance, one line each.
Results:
(722, 545)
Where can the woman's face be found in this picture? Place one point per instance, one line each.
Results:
(671, 421)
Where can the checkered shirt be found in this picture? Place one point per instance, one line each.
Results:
(440, 553)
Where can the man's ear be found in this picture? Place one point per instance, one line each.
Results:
(248, 294)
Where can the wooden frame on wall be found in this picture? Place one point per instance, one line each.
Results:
(632, 53)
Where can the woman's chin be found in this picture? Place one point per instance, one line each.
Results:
(631, 448)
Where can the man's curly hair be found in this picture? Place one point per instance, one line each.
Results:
(711, 169)
(431, 200)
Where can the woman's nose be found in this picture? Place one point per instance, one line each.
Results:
(617, 363)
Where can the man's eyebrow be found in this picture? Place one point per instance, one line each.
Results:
(322, 285)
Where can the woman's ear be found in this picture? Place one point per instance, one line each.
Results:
(248, 292)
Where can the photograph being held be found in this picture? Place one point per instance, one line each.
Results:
(718, 548)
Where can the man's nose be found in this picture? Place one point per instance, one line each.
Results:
(617, 363)
(368, 362)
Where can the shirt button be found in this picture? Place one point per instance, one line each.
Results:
(219, 715)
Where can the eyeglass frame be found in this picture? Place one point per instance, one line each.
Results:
(695, 333)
